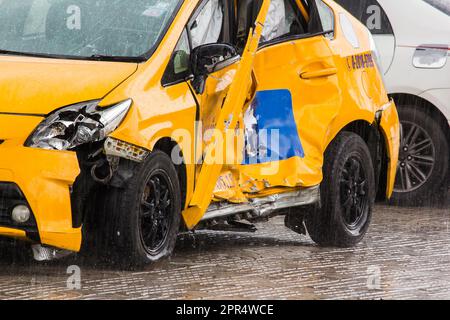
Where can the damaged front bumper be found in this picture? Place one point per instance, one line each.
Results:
(39, 179)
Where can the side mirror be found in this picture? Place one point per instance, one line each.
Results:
(213, 57)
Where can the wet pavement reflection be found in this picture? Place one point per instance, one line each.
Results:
(405, 255)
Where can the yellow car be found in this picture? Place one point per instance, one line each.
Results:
(123, 123)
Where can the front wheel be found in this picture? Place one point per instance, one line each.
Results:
(141, 221)
(347, 194)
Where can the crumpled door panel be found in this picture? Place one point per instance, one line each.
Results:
(230, 114)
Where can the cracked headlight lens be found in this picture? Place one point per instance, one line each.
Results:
(75, 125)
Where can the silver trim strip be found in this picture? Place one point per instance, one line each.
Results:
(264, 207)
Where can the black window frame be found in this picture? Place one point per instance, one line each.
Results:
(328, 33)
(169, 78)
(314, 22)
(359, 10)
(444, 10)
(228, 14)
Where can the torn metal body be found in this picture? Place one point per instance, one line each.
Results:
(264, 207)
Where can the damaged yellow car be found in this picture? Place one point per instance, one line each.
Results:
(124, 123)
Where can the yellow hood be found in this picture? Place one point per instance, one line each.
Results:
(39, 86)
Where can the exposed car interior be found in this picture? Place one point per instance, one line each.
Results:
(285, 18)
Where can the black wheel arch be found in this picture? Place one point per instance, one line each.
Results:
(168, 145)
(372, 135)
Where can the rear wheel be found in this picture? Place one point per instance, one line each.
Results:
(347, 194)
(423, 167)
(141, 221)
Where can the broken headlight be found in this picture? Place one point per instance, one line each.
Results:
(75, 125)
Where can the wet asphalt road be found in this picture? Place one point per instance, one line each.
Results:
(405, 255)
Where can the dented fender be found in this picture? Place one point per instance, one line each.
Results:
(390, 127)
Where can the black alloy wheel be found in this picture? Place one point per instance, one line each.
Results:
(416, 159)
(354, 192)
(156, 208)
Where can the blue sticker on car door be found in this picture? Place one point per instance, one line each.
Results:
(270, 129)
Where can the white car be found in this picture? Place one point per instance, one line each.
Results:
(413, 40)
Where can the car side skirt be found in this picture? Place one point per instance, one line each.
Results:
(264, 207)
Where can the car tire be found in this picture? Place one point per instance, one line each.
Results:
(141, 221)
(347, 194)
(421, 182)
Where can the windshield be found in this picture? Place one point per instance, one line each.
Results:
(100, 29)
(442, 5)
